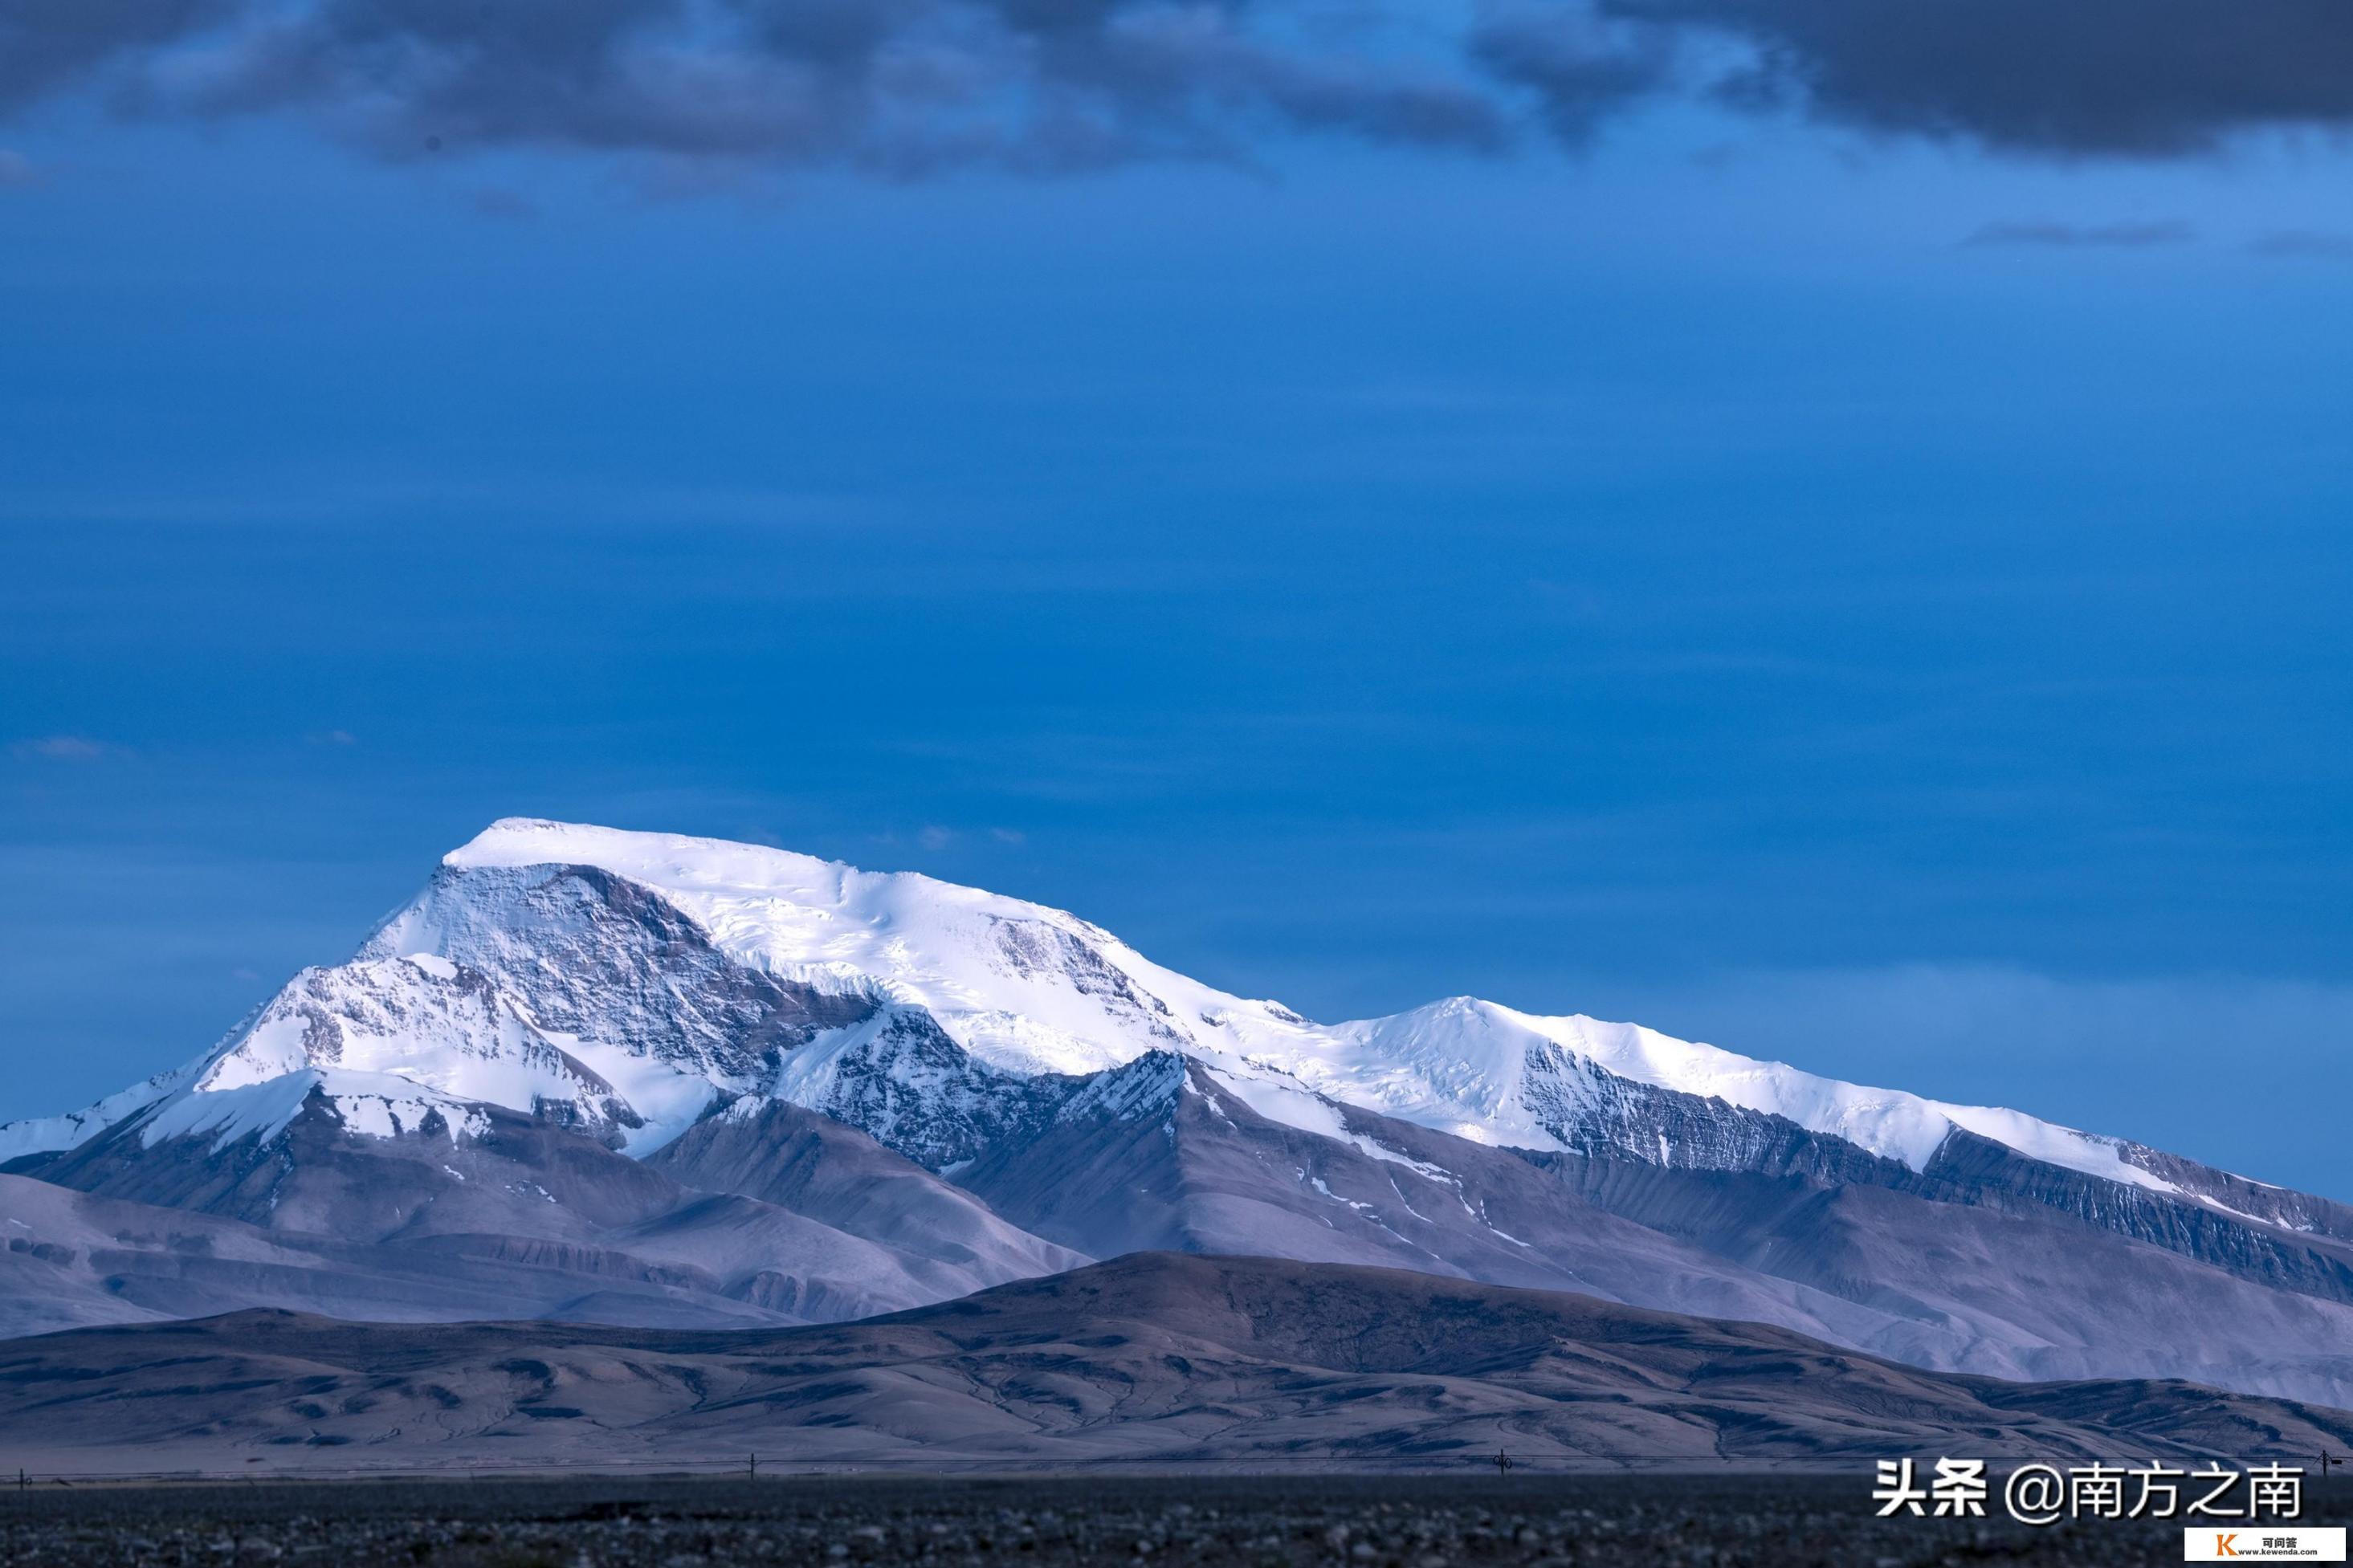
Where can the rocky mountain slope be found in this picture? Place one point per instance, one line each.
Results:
(804, 1088)
(509, 1216)
(1151, 1358)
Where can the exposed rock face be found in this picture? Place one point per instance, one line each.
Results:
(603, 958)
(899, 1076)
(445, 1025)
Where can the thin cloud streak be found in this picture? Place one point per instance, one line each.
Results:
(2306, 245)
(64, 749)
(2046, 232)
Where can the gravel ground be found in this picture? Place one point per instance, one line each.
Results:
(1553, 1522)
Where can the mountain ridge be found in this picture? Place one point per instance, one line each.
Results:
(794, 921)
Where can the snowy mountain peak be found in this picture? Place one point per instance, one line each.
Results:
(1027, 988)
(629, 980)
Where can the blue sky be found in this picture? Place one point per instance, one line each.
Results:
(1862, 578)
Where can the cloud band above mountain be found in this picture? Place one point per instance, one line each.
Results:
(906, 86)
(2061, 76)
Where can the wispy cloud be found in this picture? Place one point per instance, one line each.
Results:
(65, 749)
(500, 202)
(2305, 244)
(2130, 235)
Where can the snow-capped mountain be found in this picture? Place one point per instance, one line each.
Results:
(633, 977)
(582, 1001)
(796, 945)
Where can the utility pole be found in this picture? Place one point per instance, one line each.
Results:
(2327, 1459)
(755, 1466)
(1502, 1461)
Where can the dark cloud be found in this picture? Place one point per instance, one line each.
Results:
(899, 87)
(45, 45)
(1580, 70)
(2061, 76)
(2080, 235)
(904, 87)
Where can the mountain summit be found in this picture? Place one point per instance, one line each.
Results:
(689, 1081)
